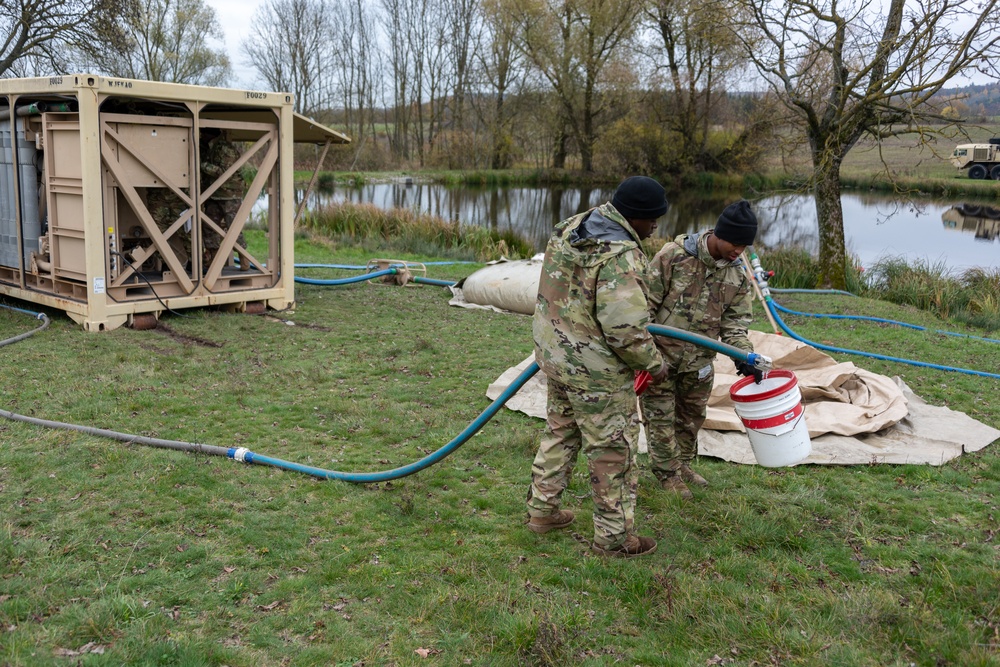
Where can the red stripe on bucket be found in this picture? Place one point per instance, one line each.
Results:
(734, 390)
(777, 420)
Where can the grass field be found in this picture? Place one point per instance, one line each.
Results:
(116, 554)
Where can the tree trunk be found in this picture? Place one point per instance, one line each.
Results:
(830, 216)
(561, 150)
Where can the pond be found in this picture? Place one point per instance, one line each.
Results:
(957, 234)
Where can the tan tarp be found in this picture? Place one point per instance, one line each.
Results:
(854, 416)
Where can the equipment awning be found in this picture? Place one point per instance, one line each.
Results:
(307, 131)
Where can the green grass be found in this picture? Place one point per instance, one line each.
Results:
(158, 557)
(970, 297)
(374, 228)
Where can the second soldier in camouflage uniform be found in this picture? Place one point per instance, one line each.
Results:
(590, 339)
(696, 283)
(217, 155)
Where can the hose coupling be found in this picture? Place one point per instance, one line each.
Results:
(760, 361)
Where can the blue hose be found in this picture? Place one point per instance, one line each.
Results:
(346, 281)
(246, 456)
(792, 290)
(429, 460)
(433, 281)
(38, 316)
(864, 317)
(735, 353)
(355, 267)
(368, 276)
(769, 303)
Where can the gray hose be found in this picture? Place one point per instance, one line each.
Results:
(123, 437)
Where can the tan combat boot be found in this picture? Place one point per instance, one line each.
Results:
(690, 476)
(675, 484)
(632, 546)
(543, 524)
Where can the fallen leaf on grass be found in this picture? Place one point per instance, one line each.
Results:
(89, 647)
(426, 652)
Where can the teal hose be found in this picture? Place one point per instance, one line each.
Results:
(769, 303)
(247, 456)
(735, 353)
(368, 276)
(795, 290)
(866, 318)
(42, 317)
(346, 281)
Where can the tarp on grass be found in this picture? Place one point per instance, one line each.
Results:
(853, 416)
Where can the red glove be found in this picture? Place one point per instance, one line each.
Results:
(642, 380)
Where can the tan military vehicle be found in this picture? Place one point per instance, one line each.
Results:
(982, 160)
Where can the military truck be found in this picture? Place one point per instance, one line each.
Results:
(981, 160)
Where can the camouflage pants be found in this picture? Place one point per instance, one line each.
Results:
(605, 427)
(165, 207)
(223, 212)
(673, 413)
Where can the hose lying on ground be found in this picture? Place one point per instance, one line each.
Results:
(246, 456)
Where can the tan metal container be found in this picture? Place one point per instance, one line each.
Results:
(121, 198)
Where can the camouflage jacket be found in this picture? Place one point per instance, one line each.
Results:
(689, 290)
(591, 313)
(218, 156)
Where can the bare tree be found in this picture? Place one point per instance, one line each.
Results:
(168, 40)
(291, 46)
(571, 43)
(47, 31)
(398, 13)
(500, 72)
(359, 68)
(862, 68)
(463, 18)
(697, 53)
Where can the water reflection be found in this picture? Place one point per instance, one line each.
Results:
(982, 221)
(875, 225)
(529, 211)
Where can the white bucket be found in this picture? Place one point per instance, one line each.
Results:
(772, 414)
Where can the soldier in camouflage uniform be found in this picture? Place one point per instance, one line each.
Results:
(696, 283)
(217, 155)
(590, 339)
(165, 207)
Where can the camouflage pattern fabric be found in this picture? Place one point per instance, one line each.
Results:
(591, 314)
(689, 290)
(605, 427)
(673, 412)
(590, 338)
(165, 207)
(217, 157)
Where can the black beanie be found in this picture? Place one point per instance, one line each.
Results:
(640, 198)
(737, 224)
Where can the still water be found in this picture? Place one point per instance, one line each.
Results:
(957, 234)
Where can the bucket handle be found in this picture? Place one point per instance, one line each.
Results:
(802, 415)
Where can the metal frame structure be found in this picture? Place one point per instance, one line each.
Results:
(82, 157)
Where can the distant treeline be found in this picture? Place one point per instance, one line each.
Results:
(973, 103)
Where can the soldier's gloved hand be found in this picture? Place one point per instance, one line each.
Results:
(642, 380)
(748, 369)
(661, 375)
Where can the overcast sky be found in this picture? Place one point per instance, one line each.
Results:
(235, 16)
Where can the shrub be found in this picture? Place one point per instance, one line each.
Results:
(412, 231)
